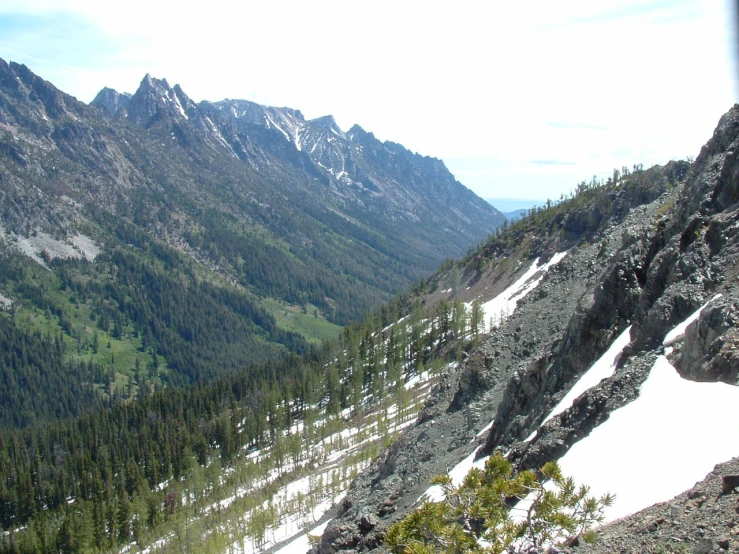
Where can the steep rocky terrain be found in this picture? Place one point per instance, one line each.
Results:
(647, 253)
(376, 183)
(339, 227)
(174, 282)
(142, 237)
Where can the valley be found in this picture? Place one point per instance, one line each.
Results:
(222, 331)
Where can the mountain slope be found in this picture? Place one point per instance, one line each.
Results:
(375, 184)
(644, 254)
(555, 292)
(161, 213)
(189, 177)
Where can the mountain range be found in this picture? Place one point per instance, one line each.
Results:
(342, 215)
(168, 268)
(290, 228)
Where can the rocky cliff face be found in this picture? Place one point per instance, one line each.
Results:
(647, 254)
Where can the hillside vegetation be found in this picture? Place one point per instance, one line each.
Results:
(97, 479)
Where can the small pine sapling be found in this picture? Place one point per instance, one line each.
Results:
(476, 516)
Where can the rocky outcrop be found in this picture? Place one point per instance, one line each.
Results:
(111, 100)
(646, 255)
(660, 275)
(710, 350)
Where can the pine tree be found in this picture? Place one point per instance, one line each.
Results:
(477, 318)
(475, 516)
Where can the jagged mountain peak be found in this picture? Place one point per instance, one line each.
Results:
(357, 132)
(355, 166)
(252, 111)
(42, 103)
(154, 100)
(152, 82)
(111, 100)
(242, 114)
(327, 122)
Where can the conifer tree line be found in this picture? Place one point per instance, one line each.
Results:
(85, 446)
(94, 480)
(603, 198)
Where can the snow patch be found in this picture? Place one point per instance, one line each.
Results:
(601, 369)
(416, 380)
(436, 494)
(485, 429)
(660, 444)
(502, 306)
(678, 333)
(301, 545)
(178, 105)
(280, 129)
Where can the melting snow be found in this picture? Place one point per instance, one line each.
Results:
(502, 306)
(301, 545)
(659, 445)
(601, 369)
(219, 136)
(280, 129)
(435, 493)
(678, 333)
(485, 429)
(416, 380)
(680, 428)
(178, 105)
(652, 449)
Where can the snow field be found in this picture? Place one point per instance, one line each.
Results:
(502, 306)
(652, 449)
(339, 455)
(659, 445)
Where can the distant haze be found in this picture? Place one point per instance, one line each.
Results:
(506, 205)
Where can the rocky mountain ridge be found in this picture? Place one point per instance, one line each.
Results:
(360, 219)
(647, 253)
(359, 170)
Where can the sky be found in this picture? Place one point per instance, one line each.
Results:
(520, 99)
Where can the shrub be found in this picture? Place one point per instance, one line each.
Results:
(477, 515)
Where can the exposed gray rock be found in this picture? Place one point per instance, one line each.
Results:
(111, 100)
(649, 260)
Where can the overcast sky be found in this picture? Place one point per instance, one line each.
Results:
(520, 99)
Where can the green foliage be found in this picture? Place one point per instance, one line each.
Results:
(37, 382)
(579, 216)
(476, 516)
(150, 376)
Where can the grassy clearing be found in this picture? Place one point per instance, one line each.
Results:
(308, 322)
